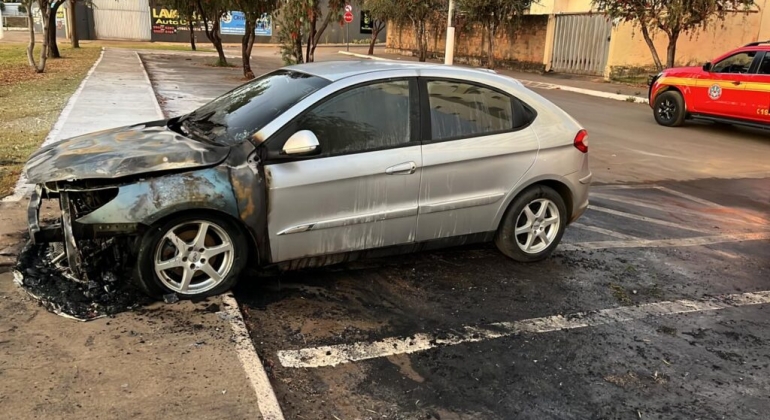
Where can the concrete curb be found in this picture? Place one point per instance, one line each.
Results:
(543, 85)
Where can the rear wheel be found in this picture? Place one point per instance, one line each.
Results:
(192, 256)
(533, 225)
(669, 109)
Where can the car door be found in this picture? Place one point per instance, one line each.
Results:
(725, 85)
(477, 145)
(361, 191)
(758, 89)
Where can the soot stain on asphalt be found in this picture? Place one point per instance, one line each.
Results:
(106, 293)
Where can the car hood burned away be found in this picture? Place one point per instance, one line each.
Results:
(121, 152)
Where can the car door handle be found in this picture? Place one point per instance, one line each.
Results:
(406, 168)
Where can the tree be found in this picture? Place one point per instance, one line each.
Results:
(420, 13)
(74, 40)
(292, 23)
(38, 67)
(380, 12)
(53, 48)
(672, 17)
(493, 15)
(186, 13)
(210, 13)
(253, 10)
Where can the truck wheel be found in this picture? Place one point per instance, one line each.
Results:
(533, 225)
(669, 109)
(191, 255)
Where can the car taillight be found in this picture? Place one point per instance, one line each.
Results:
(581, 141)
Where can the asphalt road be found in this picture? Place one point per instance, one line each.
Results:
(652, 307)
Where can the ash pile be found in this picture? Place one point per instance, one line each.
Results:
(103, 289)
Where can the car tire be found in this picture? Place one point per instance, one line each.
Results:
(669, 109)
(532, 236)
(192, 256)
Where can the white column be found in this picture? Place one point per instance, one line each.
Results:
(449, 51)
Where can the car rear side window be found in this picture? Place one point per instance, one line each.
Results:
(364, 118)
(462, 110)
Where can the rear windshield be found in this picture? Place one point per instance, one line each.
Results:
(244, 110)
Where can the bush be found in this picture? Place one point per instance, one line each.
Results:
(2, 7)
(22, 9)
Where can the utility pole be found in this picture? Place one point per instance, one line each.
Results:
(449, 52)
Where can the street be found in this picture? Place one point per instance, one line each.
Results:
(655, 305)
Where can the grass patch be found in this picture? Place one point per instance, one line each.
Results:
(620, 294)
(30, 103)
(139, 45)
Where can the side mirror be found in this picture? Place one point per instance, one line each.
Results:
(301, 143)
(707, 67)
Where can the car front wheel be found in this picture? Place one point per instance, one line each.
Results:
(533, 225)
(192, 256)
(669, 109)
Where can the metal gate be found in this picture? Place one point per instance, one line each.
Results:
(581, 44)
(122, 19)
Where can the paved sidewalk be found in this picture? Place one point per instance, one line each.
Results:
(163, 361)
(593, 86)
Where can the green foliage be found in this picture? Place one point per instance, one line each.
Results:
(672, 17)
(2, 7)
(22, 8)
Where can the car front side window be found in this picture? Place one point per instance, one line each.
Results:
(736, 63)
(764, 66)
(365, 118)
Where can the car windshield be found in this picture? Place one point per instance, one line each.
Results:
(232, 117)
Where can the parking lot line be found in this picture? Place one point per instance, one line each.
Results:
(667, 243)
(689, 197)
(722, 217)
(645, 219)
(603, 231)
(322, 356)
(255, 371)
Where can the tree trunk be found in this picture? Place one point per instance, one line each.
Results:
(671, 50)
(311, 40)
(53, 49)
(31, 44)
(212, 32)
(191, 25)
(651, 46)
(491, 46)
(318, 32)
(422, 43)
(74, 40)
(247, 42)
(377, 27)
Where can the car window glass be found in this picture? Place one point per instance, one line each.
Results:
(235, 115)
(460, 110)
(764, 66)
(365, 118)
(736, 63)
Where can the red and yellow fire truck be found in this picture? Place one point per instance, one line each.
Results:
(733, 89)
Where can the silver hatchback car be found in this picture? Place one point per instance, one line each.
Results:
(312, 165)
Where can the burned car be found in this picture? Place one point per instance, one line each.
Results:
(312, 165)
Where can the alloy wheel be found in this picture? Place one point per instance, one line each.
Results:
(537, 226)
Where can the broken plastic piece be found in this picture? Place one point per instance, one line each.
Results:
(171, 298)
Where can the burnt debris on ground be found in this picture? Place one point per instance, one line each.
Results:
(108, 290)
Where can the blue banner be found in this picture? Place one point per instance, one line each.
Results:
(234, 23)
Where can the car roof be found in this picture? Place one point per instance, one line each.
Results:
(337, 70)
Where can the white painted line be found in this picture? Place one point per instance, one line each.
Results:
(22, 189)
(645, 219)
(689, 197)
(149, 85)
(623, 187)
(346, 353)
(255, 371)
(540, 85)
(603, 231)
(720, 217)
(668, 243)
